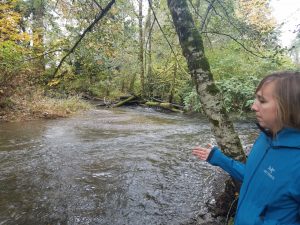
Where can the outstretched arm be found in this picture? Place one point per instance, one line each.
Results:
(214, 156)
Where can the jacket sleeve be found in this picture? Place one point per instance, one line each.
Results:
(235, 168)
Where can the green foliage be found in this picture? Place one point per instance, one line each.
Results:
(237, 74)
(231, 60)
(11, 40)
(192, 101)
(96, 63)
(238, 92)
(105, 63)
(10, 57)
(10, 21)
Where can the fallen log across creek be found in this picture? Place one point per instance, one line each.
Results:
(160, 104)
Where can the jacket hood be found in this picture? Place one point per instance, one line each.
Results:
(287, 137)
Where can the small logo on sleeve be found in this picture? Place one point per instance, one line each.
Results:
(270, 172)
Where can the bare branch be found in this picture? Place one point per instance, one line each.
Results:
(237, 41)
(227, 18)
(97, 4)
(89, 28)
(44, 54)
(56, 3)
(195, 9)
(155, 18)
(240, 30)
(208, 39)
(209, 8)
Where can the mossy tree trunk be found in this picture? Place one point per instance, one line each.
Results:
(193, 50)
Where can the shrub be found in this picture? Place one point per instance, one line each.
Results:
(238, 92)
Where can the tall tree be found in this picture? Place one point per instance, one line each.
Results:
(148, 59)
(13, 49)
(211, 101)
(38, 8)
(257, 13)
(141, 52)
(10, 23)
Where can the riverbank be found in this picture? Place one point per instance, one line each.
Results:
(41, 107)
(34, 105)
(37, 106)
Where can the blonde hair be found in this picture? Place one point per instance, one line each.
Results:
(287, 94)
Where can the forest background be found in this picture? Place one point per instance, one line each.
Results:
(53, 54)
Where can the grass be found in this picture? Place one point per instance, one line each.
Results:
(35, 105)
(45, 107)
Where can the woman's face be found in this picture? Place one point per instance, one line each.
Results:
(265, 107)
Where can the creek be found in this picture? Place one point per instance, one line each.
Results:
(126, 166)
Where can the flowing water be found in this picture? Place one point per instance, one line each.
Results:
(108, 167)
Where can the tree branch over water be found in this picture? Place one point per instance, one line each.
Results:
(89, 28)
(165, 36)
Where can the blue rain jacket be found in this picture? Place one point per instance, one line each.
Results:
(270, 191)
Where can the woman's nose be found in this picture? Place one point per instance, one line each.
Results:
(254, 106)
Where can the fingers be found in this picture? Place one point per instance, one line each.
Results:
(199, 148)
(202, 153)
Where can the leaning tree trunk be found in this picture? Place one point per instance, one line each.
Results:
(211, 101)
(210, 98)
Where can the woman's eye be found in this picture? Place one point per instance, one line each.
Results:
(262, 101)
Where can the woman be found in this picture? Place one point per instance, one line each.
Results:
(270, 191)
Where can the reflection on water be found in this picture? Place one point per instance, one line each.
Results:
(121, 166)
